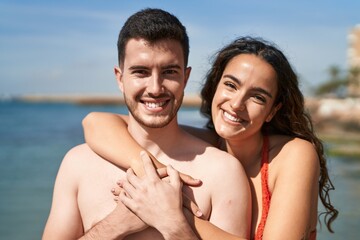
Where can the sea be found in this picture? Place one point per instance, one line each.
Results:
(34, 138)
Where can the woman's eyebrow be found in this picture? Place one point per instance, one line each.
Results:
(257, 89)
(261, 90)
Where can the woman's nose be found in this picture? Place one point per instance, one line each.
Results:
(238, 102)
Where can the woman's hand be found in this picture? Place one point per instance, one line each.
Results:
(186, 179)
(163, 174)
(158, 203)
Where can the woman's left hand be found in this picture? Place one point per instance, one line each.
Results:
(155, 201)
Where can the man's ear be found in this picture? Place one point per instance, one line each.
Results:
(118, 76)
(273, 112)
(187, 75)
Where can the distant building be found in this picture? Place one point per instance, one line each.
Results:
(354, 61)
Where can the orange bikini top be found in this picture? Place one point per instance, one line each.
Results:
(266, 195)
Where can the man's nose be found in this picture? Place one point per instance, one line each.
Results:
(155, 84)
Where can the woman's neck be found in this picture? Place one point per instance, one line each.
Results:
(247, 151)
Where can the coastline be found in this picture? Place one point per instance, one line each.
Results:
(336, 121)
(191, 100)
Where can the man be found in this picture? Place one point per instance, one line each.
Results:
(152, 74)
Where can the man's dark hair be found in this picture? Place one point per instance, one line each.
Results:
(152, 25)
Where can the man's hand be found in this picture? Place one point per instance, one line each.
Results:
(158, 203)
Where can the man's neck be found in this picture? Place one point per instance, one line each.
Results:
(155, 140)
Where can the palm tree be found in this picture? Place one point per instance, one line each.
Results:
(334, 83)
(354, 81)
(334, 72)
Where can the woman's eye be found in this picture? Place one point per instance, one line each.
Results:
(260, 98)
(230, 85)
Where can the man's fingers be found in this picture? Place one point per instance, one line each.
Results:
(126, 200)
(162, 172)
(128, 187)
(174, 177)
(149, 168)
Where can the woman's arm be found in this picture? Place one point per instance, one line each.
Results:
(107, 135)
(208, 231)
(293, 208)
(144, 195)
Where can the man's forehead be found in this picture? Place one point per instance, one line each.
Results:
(167, 50)
(158, 44)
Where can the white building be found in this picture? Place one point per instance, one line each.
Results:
(354, 61)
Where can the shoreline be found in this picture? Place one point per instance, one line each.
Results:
(339, 127)
(190, 100)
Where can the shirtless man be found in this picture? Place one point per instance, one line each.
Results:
(153, 52)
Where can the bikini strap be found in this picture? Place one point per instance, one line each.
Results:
(266, 196)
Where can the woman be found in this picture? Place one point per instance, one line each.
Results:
(253, 102)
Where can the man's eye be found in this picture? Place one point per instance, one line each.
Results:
(170, 71)
(140, 72)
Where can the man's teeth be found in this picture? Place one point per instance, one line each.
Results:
(231, 117)
(154, 105)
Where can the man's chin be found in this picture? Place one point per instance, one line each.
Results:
(154, 122)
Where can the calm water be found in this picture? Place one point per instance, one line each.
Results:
(35, 137)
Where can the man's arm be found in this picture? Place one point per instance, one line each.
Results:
(64, 221)
(116, 225)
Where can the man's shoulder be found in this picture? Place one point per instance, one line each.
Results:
(221, 160)
(80, 154)
(81, 148)
(215, 152)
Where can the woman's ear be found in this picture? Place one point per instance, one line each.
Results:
(273, 112)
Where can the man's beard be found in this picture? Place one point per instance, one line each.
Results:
(158, 120)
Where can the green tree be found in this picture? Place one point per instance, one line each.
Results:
(354, 76)
(335, 82)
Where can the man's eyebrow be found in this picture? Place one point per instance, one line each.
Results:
(135, 67)
(257, 89)
(171, 66)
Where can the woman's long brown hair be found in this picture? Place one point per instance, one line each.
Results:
(292, 118)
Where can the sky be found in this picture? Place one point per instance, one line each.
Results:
(69, 47)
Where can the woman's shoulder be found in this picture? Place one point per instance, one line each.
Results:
(292, 158)
(286, 143)
(293, 151)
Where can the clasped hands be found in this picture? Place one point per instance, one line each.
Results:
(157, 197)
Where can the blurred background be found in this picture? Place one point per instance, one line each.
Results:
(56, 65)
